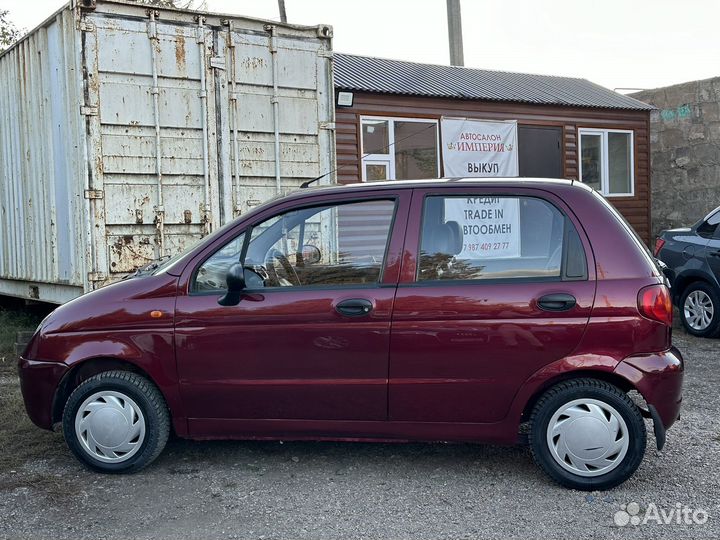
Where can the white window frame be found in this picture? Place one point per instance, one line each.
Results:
(605, 157)
(389, 157)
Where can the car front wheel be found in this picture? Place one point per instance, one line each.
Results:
(587, 434)
(116, 422)
(700, 310)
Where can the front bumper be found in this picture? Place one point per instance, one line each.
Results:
(658, 377)
(39, 382)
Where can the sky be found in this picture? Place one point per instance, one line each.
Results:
(616, 43)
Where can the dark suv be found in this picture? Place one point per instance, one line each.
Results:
(692, 257)
(455, 310)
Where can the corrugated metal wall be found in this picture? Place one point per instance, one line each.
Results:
(636, 209)
(41, 156)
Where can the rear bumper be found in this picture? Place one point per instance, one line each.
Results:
(658, 377)
(39, 382)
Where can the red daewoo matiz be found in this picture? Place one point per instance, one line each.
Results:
(443, 310)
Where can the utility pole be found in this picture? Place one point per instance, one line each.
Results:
(454, 33)
(283, 15)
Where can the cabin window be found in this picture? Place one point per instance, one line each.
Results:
(606, 161)
(399, 148)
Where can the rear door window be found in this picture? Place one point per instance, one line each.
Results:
(498, 237)
(710, 225)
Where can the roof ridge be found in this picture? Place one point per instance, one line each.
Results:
(462, 68)
(403, 77)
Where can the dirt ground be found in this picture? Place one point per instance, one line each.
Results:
(354, 490)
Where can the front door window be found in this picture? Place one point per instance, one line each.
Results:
(335, 245)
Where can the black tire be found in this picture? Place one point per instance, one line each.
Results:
(148, 399)
(563, 393)
(713, 329)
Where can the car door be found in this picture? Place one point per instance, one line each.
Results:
(495, 285)
(710, 229)
(309, 339)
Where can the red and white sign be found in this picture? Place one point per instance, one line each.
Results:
(479, 148)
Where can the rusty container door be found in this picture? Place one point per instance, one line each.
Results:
(151, 135)
(280, 110)
(129, 132)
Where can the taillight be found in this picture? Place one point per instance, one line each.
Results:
(659, 243)
(654, 303)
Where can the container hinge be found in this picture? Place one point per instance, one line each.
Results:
(96, 276)
(87, 5)
(86, 26)
(327, 125)
(324, 31)
(326, 54)
(94, 194)
(217, 62)
(89, 110)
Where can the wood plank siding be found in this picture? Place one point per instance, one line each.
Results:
(636, 209)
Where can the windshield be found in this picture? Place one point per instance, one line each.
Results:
(176, 262)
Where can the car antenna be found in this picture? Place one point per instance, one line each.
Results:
(308, 182)
(312, 181)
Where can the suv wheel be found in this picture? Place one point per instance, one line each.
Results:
(116, 422)
(700, 310)
(587, 434)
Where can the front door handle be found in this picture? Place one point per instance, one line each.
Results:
(714, 253)
(557, 302)
(354, 307)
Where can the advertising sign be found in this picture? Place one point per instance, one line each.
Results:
(490, 226)
(479, 148)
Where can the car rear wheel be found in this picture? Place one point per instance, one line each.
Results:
(700, 310)
(587, 434)
(116, 422)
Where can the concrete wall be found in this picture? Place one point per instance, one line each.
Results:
(685, 152)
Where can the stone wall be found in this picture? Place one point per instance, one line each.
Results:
(685, 152)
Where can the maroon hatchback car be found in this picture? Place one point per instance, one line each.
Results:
(443, 310)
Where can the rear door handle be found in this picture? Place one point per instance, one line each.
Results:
(714, 253)
(557, 302)
(354, 307)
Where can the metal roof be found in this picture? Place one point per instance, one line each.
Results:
(384, 76)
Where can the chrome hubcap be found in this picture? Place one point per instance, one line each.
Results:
(588, 437)
(110, 427)
(698, 310)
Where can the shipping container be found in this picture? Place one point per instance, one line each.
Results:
(128, 132)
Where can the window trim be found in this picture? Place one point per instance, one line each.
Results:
(605, 157)
(567, 223)
(248, 229)
(390, 156)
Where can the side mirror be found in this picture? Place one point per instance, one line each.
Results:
(311, 254)
(235, 280)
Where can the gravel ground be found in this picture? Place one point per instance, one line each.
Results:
(355, 490)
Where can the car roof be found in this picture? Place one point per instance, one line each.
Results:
(542, 183)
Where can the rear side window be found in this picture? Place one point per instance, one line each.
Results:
(708, 227)
(498, 237)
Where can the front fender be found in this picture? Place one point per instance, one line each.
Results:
(149, 350)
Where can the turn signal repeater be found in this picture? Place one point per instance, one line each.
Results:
(155, 314)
